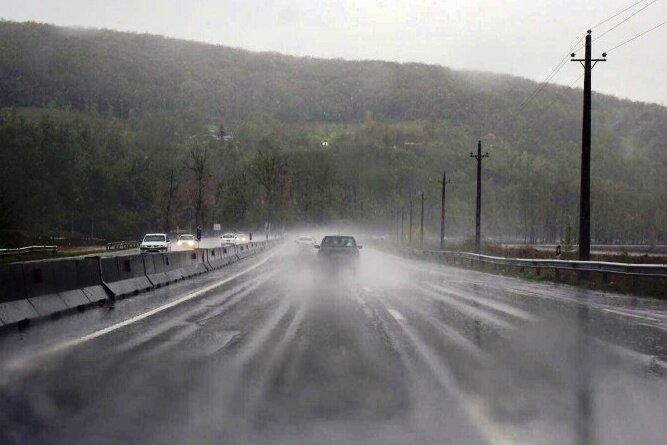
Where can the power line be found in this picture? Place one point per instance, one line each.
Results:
(562, 93)
(625, 20)
(563, 62)
(637, 36)
(559, 66)
(620, 23)
(545, 82)
(554, 100)
(617, 14)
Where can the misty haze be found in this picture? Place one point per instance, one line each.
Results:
(339, 222)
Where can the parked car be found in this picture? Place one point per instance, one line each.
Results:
(339, 250)
(155, 242)
(186, 240)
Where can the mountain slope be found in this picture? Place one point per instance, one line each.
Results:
(152, 93)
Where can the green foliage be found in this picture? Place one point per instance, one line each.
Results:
(115, 134)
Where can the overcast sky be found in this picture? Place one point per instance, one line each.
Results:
(523, 37)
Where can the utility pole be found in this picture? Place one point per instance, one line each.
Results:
(398, 226)
(410, 226)
(421, 225)
(442, 211)
(478, 215)
(585, 187)
(170, 198)
(402, 225)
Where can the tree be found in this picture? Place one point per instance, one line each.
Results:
(169, 202)
(267, 169)
(198, 152)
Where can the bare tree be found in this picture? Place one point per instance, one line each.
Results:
(169, 204)
(199, 157)
(267, 168)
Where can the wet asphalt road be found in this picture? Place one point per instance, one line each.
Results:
(287, 352)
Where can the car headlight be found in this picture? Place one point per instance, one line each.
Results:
(179, 243)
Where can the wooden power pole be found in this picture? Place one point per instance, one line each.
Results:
(478, 214)
(585, 186)
(442, 210)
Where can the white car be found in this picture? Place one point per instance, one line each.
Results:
(155, 242)
(228, 239)
(186, 240)
(242, 238)
(305, 243)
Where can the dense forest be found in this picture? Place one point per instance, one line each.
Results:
(110, 134)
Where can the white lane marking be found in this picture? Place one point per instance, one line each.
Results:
(397, 315)
(477, 412)
(466, 309)
(21, 362)
(463, 294)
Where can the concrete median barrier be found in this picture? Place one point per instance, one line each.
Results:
(194, 264)
(14, 305)
(174, 264)
(45, 288)
(185, 262)
(124, 275)
(214, 257)
(202, 258)
(229, 255)
(39, 289)
(74, 282)
(89, 279)
(40, 279)
(220, 257)
(156, 269)
(243, 251)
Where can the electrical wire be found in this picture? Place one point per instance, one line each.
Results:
(637, 36)
(625, 20)
(555, 99)
(562, 93)
(620, 23)
(545, 82)
(575, 48)
(617, 14)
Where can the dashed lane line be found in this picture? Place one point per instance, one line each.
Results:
(397, 315)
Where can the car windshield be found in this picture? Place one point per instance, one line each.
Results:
(187, 237)
(228, 235)
(154, 238)
(339, 241)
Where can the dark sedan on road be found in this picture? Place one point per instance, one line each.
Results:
(339, 249)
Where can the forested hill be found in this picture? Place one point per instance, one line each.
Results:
(142, 92)
(119, 74)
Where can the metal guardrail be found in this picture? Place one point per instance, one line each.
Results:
(639, 270)
(122, 245)
(28, 249)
